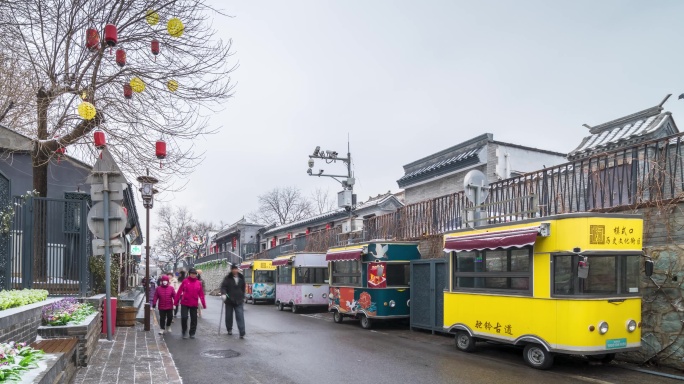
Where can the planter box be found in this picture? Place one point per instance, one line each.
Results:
(87, 334)
(20, 324)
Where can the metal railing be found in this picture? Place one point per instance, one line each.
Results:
(313, 242)
(647, 173)
(225, 255)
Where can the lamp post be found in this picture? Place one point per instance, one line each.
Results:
(147, 190)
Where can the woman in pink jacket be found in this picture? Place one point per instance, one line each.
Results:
(165, 295)
(189, 295)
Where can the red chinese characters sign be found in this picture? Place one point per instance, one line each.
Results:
(377, 275)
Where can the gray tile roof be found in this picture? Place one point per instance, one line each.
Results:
(467, 157)
(645, 125)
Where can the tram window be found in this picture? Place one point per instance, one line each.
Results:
(398, 274)
(285, 275)
(608, 275)
(346, 273)
(505, 270)
(311, 275)
(264, 277)
(247, 273)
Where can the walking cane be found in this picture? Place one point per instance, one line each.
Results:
(223, 308)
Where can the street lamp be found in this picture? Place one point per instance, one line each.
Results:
(147, 191)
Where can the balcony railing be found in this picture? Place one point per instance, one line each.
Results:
(643, 174)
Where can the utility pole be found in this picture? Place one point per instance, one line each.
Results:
(346, 198)
(147, 191)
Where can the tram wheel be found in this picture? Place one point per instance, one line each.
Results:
(281, 306)
(366, 323)
(537, 356)
(604, 358)
(253, 301)
(465, 342)
(337, 317)
(294, 308)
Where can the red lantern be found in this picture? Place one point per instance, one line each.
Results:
(110, 35)
(234, 242)
(327, 226)
(92, 39)
(120, 57)
(160, 149)
(155, 47)
(289, 236)
(128, 91)
(125, 211)
(100, 141)
(273, 242)
(308, 231)
(60, 151)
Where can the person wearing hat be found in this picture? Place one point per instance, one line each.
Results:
(189, 295)
(233, 295)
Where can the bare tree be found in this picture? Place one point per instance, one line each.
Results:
(282, 206)
(198, 237)
(185, 80)
(322, 201)
(174, 227)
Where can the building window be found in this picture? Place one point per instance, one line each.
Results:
(347, 273)
(248, 275)
(312, 275)
(505, 270)
(285, 275)
(608, 275)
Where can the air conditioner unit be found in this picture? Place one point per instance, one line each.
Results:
(352, 225)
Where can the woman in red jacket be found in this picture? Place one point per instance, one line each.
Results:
(189, 295)
(166, 296)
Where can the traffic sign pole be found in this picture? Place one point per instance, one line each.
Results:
(108, 257)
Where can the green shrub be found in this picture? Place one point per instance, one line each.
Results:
(97, 270)
(17, 298)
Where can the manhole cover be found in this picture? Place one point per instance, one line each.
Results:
(220, 353)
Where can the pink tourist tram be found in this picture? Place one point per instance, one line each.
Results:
(302, 280)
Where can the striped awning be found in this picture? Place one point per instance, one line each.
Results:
(281, 260)
(345, 255)
(511, 238)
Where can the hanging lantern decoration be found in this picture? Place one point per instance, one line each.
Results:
(60, 151)
(160, 151)
(154, 45)
(175, 27)
(128, 91)
(86, 110)
(152, 17)
(172, 85)
(100, 140)
(92, 39)
(120, 57)
(110, 36)
(137, 85)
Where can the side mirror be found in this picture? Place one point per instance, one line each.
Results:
(648, 268)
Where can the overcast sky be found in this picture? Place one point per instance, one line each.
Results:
(405, 79)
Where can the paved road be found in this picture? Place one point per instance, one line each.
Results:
(282, 347)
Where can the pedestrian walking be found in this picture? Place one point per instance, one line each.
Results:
(165, 295)
(233, 295)
(181, 277)
(189, 295)
(199, 277)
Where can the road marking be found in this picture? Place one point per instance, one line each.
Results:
(588, 379)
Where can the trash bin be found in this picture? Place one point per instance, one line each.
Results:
(105, 311)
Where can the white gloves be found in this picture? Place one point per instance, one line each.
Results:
(224, 297)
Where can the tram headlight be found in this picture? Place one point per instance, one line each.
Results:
(310, 295)
(392, 304)
(603, 327)
(631, 326)
(325, 295)
(408, 302)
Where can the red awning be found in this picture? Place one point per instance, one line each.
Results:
(245, 265)
(280, 261)
(349, 254)
(512, 238)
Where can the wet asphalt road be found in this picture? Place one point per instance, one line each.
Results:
(282, 347)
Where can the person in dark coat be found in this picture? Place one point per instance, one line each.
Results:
(233, 294)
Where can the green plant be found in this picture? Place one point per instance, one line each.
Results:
(17, 298)
(16, 358)
(97, 270)
(7, 214)
(66, 311)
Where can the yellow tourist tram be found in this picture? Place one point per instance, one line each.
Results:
(561, 284)
(259, 280)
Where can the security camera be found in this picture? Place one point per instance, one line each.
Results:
(320, 172)
(317, 150)
(311, 163)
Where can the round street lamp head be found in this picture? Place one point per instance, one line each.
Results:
(311, 163)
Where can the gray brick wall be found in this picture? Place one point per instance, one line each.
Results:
(87, 335)
(21, 325)
(440, 187)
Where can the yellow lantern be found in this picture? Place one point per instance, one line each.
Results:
(152, 17)
(172, 85)
(137, 85)
(175, 27)
(87, 110)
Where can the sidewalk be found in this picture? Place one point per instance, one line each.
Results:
(134, 357)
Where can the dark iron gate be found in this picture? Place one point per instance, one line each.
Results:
(429, 279)
(5, 208)
(49, 245)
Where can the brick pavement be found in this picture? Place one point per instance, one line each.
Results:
(133, 357)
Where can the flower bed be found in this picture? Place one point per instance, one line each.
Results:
(17, 298)
(16, 359)
(66, 311)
